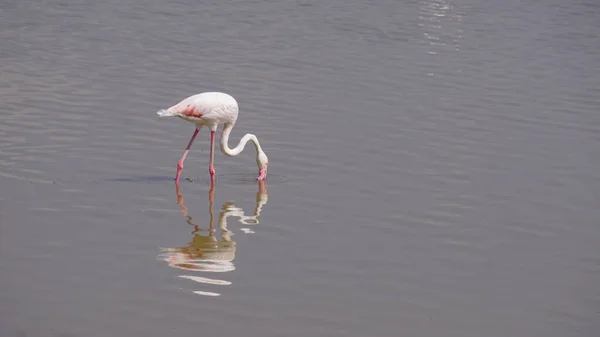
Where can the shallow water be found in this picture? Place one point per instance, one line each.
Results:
(433, 169)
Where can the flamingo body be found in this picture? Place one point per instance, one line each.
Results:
(211, 109)
(205, 109)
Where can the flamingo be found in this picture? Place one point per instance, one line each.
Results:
(211, 109)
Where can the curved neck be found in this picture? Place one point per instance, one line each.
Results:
(240, 147)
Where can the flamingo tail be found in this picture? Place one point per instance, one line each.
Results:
(166, 113)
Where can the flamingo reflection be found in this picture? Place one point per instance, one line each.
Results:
(208, 253)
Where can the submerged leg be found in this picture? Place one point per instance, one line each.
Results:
(187, 149)
(211, 167)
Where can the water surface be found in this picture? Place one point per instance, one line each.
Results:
(433, 169)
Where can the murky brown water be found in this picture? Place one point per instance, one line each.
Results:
(433, 169)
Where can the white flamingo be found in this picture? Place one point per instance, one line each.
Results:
(211, 109)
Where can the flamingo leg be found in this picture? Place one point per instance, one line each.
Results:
(185, 153)
(211, 167)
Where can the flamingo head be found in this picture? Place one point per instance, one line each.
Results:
(262, 160)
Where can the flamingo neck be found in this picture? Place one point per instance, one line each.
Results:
(240, 147)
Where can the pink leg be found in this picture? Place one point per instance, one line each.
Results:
(211, 167)
(185, 153)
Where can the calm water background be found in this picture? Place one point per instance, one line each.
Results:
(434, 169)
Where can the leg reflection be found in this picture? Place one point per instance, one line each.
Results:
(205, 252)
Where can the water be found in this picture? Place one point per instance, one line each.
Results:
(433, 169)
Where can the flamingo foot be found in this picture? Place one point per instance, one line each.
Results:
(262, 173)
